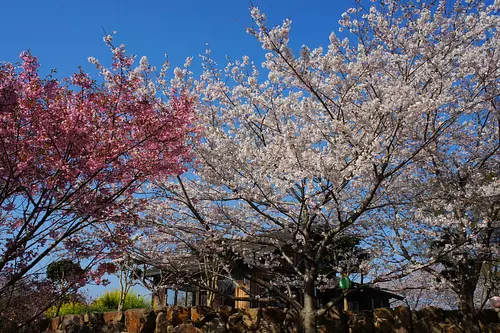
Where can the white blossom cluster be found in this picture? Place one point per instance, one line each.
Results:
(390, 135)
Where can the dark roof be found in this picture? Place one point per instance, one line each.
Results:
(152, 272)
(382, 292)
(366, 288)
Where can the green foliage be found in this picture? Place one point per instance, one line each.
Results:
(68, 308)
(110, 301)
(106, 302)
(63, 270)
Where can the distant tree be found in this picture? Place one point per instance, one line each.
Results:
(129, 274)
(68, 275)
(64, 270)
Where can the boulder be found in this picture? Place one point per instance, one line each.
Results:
(332, 321)
(487, 316)
(160, 309)
(186, 328)
(215, 325)
(177, 315)
(161, 322)
(251, 318)
(140, 320)
(360, 322)
(452, 328)
(490, 328)
(54, 324)
(235, 323)
(225, 312)
(292, 323)
(41, 325)
(383, 320)
(273, 314)
(269, 327)
(71, 323)
(202, 314)
(113, 317)
(94, 321)
(402, 319)
(452, 317)
(429, 320)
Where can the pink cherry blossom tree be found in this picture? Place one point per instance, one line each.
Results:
(305, 152)
(74, 153)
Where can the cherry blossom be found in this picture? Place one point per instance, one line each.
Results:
(307, 149)
(74, 153)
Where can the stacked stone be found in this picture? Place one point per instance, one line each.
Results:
(200, 319)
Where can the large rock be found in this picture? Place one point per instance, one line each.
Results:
(246, 320)
(177, 315)
(251, 318)
(452, 321)
(332, 321)
(273, 314)
(40, 325)
(114, 322)
(383, 320)
(292, 323)
(269, 327)
(402, 319)
(272, 319)
(452, 328)
(429, 320)
(186, 328)
(225, 312)
(235, 323)
(54, 324)
(140, 320)
(488, 316)
(202, 314)
(215, 325)
(71, 323)
(159, 309)
(490, 328)
(94, 321)
(161, 322)
(360, 322)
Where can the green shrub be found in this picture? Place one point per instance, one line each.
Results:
(67, 308)
(106, 302)
(110, 299)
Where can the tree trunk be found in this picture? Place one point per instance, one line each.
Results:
(59, 304)
(121, 302)
(61, 300)
(308, 313)
(469, 322)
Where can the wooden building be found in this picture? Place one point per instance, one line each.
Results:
(365, 298)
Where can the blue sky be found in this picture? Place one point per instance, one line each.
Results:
(64, 33)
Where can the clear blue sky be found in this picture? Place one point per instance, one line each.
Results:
(64, 33)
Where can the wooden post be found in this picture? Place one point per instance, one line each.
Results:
(197, 300)
(241, 293)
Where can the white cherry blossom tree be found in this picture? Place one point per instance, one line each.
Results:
(309, 149)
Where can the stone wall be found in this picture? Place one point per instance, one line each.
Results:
(267, 320)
